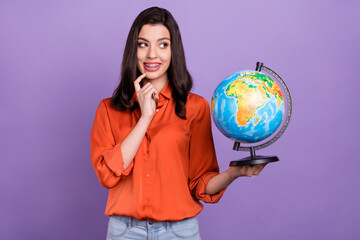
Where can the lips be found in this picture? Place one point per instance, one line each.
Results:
(152, 66)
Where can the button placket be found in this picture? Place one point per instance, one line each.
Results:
(148, 157)
(147, 170)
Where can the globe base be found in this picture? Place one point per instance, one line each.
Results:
(255, 160)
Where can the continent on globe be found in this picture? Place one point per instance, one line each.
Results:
(248, 106)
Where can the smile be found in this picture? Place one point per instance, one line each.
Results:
(151, 67)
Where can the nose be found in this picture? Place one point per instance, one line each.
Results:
(152, 52)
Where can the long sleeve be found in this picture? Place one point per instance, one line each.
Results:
(106, 155)
(203, 162)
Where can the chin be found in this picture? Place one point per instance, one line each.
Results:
(152, 75)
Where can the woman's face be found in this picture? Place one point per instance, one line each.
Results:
(154, 51)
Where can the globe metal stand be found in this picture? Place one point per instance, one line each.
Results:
(253, 159)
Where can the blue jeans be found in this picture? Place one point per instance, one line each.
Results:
(121, 227)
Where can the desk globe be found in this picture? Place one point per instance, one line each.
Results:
(248, 107)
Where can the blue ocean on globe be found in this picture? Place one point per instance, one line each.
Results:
(247, 106)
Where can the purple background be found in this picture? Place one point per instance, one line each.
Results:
(58, 59)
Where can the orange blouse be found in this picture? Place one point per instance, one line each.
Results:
(171, 168)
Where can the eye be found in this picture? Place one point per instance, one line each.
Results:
(142, 44)
(164, 45)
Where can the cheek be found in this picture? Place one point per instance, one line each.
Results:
(139, 66)
(167, 57)
(139, 59)
(141, 54)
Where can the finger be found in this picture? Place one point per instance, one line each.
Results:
(156, 95)
(149, 87)
(144, 88)
(248, 171)
(137, 82)
(256, 171)
(149, 93)
(259, 168)
(155, 98)
(252, 170)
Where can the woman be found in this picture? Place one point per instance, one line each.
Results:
(151, 143)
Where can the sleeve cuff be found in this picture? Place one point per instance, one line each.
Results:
(114, 161)
(201, 189)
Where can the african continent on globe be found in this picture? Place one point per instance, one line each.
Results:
(247, 106)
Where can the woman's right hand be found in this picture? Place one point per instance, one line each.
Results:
(147, 103)
(147, 97)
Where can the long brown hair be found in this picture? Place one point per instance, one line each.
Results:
(179, 77)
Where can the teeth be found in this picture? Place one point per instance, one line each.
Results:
(152, 65)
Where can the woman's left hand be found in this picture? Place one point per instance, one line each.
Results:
(241, 171)
(224, 179)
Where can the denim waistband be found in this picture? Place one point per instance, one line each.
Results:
(130, 221)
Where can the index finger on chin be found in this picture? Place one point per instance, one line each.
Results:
(137, 82)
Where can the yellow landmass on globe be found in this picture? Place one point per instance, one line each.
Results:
(248, 100)
(266, 89)
(212, 104)
(267, 86)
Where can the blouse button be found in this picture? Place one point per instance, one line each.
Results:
(148, 175)
(157, 110)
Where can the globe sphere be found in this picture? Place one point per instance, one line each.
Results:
(248, 106)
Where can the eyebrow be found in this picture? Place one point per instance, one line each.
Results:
(160, 39)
